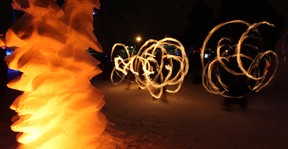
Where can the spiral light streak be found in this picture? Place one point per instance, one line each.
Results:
(260, 64)
(153, 66)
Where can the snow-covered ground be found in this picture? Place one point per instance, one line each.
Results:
(194, 119)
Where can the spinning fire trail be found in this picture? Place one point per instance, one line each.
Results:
(240, 66)
(154, 66)
(59, 108)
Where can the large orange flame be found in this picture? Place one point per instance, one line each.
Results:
(59, 108)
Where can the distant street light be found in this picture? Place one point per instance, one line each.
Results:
(138, 39)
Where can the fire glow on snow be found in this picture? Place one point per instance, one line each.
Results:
(238, 58)
(154, 66)
(59, 108)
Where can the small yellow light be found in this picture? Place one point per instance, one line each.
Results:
(138, 38)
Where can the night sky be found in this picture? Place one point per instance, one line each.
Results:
(123, 20)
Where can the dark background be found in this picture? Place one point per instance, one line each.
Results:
(187, 20)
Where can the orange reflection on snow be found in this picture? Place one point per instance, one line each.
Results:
(158, 65)
(59, 108)
(243, 57)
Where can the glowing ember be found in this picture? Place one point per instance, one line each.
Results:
(239, 66)
(158, 65)
(59, 108)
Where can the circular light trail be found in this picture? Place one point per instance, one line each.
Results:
(160, 66)
(241, 61)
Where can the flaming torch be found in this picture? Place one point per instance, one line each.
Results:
(59, 108)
